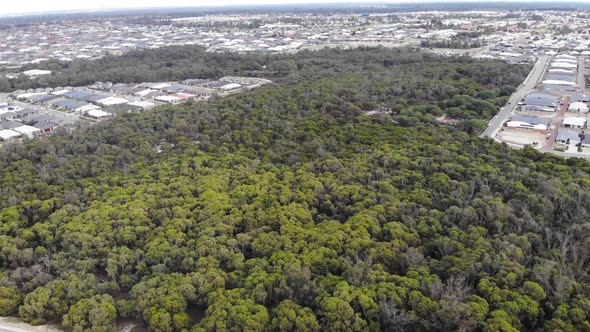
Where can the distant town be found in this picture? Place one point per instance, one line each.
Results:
(549, 111)
(515, 36)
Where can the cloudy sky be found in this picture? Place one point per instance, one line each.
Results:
(29, 6)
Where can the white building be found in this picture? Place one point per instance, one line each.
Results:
(110, 101)
(578, 107)
(6, 134)
(231, 86)
(36, 72)
(528, 122)
(574, 122)
(145, 105)
(169, 99)
(98, 114)
(564, 65)
(28, 131)
(559, 82)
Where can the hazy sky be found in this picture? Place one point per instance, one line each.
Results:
(28, 6)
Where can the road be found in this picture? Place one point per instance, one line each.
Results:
(556, 122)
(529, 84)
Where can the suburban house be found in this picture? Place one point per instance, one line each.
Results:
(578, 97)
(574, 122)
(6, 134)
(97, 114)
(568, 136)
(528, 122)
(28, 131)
(46, 127)
(538, 101)
(578, 106)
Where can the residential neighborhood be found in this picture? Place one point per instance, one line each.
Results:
(553, 115)
(40, 112)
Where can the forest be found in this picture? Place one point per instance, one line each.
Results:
(288, 208)
(457, 43)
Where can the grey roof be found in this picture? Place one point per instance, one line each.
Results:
(10, 124)
(213, 84)
(561, 77)
(25, 111)
(579, 97)
(71, 104)
(119, 86)
(174, 88)
(56, 101)
(558, 87)
(534, 120)
(40, 118)
(565, 134)
(41, 98)
(77, 94)
(46, 125)
(540, 99)
(94, 97)
(121, 108)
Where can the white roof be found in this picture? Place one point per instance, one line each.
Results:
(87, 108)
(36, 72)
(98, 113)
(143, 104)
(563, 65)
(561, 71)
(566, 56)
(145, 92)
(578, 106)
(580, 122)
(231, 86)
(160, 86)
(559, 82)
(112, 101)
(168, 98)
(25, 130)
(574, 61)
(60, 92)
(8, 134)
(27, 95)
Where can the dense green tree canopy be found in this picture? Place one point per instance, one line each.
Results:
(289, 209)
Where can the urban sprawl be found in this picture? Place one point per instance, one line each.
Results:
(549, 111)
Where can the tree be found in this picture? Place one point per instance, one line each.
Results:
(97, 313)
(10, 299)
(289, 316)
(229, 311)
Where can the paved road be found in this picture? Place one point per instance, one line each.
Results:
(529, 84)
(556, 122)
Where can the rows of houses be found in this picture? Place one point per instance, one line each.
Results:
(561, 74)
(559, 84)
(18, 122)
(103, 100)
